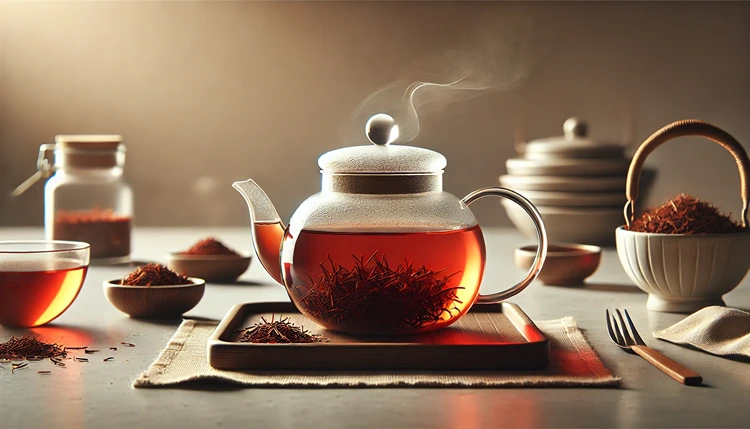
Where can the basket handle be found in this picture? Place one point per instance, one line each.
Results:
(688, 127)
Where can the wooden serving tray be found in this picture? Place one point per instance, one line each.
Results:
(489, 337)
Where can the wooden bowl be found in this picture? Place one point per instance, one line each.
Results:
(565, 265)
(212, 268)
(154, 302)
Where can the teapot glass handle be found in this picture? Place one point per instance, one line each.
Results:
(541, 234)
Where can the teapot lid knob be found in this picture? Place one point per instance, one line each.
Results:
(381, 129)
(574, 128)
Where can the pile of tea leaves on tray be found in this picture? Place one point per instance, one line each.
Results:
(685, 214)
(278, 332)
(154, 275)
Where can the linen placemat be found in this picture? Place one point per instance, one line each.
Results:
(717, 330)
(572, 363)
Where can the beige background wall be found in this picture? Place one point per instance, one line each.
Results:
(207, 93)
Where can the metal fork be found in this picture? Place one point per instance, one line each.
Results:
(618, 332)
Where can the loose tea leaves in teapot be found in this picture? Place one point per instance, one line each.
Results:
(154, 275)
(209, 246)
(685, 214)
(371, 293)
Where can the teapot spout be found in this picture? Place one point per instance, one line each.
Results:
(268, 230)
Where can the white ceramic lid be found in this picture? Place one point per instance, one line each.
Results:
(390, 159)
(574, 141)
(382, 156)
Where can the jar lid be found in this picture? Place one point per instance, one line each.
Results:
(382, 157)
(574, 141)
(89, 151)
(89, 141)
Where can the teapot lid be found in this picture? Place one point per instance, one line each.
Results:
(382, 157)
(575, 136)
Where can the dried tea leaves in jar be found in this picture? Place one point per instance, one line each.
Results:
(685, 214)
(210, 246)
(107, 232)
(154, 275)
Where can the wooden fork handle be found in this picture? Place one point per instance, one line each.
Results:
(668, 366)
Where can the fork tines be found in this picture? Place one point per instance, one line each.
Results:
(619, 333)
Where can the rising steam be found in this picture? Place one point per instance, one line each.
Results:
(490, 59)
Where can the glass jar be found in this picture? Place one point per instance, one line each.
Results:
(87, 198)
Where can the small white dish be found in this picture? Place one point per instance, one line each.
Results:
(564, 184)
(545, 151)
(575, 199)
(567, 167)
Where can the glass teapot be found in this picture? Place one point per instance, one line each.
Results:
(382, 249)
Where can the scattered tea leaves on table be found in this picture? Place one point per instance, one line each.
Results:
(21, 348)
(277, 332)
(20, 351)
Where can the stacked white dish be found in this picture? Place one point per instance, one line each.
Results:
(577, 184)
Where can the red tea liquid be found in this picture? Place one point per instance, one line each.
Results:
(458, 252)
(267, 238)
(31, 298)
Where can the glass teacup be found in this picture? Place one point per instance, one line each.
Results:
(39, 280)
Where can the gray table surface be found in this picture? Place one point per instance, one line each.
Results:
(99, 394)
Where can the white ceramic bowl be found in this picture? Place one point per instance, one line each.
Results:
(570, 225)
(564, 184)
(567, 167)
(684, 273)
(576, 199)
